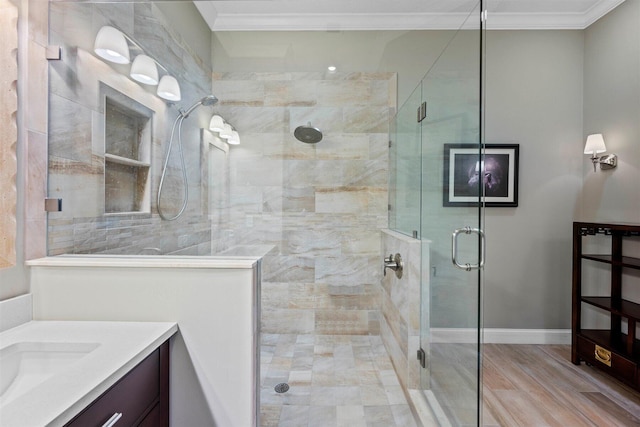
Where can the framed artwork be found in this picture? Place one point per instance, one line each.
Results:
(496, 175)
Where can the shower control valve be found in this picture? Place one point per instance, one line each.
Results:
(393, 262)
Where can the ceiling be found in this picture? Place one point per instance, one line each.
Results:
(336, 15)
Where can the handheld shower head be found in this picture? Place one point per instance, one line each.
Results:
(206, 101)
(209, 100)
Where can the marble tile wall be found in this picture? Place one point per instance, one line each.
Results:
(76, 161)
(8, 130)
(321, 206)
(400, 323)
(34, 114)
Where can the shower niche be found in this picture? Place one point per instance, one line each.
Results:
(127, 154)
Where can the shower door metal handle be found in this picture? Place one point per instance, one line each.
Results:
(454, 248)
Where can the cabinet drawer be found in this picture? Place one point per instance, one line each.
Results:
(153, 419)
(132, 396)
(608, 360)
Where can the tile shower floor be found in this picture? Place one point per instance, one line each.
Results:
(334, 380)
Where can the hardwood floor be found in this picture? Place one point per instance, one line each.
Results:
(537, 385)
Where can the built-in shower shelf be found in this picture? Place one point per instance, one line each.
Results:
(125, 161)
(128, 128)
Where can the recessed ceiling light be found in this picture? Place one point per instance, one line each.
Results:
(332, 68)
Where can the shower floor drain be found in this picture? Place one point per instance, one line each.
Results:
(281, 388)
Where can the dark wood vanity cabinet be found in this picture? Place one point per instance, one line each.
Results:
(140, 398)
(610, 349)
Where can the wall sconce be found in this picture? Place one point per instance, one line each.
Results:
(234, 139)
(224, 130)
(594, 146)
(112, 45)
(144, 70)
(216, 124)
(169, 89)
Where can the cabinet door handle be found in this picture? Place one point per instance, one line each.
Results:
(113, 420)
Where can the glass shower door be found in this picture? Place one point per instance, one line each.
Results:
(451, 224)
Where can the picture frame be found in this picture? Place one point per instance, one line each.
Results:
(462, 175)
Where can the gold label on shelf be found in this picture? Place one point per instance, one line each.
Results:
(603, 355)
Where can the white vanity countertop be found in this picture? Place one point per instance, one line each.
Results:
(122, 345)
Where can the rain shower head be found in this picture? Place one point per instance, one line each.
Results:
(308, 134)
(206, 101)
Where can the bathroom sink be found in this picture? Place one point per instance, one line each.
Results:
(24, 365)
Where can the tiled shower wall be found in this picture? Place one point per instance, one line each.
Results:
(321, 206)
(77, 134)
(8, 131)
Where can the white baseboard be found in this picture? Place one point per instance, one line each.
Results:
(501, 336)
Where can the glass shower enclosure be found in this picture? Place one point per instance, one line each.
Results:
(436, 196)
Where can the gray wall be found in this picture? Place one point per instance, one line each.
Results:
(548, 91)
(534, 98)
(612, 107)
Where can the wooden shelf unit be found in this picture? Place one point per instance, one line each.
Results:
(610, 349)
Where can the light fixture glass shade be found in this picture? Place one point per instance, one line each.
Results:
(595, 144)
(111, 45)
(169, 89)
(226, 132)
(234, 139)
(216, 124)
(144, 70)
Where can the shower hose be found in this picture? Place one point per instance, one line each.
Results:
(185, 198)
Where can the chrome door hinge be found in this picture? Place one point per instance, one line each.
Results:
(422, 111)
(422, 357)
(52, 205)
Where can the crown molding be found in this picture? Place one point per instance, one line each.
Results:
(300, 21)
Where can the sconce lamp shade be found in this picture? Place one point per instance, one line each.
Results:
(595, 144)
(216, 124)
(226, 132)
(144, 70)
(110, 44)
(169, 89)
(234, 139)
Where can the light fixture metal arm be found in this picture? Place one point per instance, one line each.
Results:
(606, 162)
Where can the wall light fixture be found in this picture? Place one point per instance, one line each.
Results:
(594, 146)
(111, 45)
(144, 70)
(169, 89)
(216, 124)
(225, 133)
(234, 139)
(224, 130)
